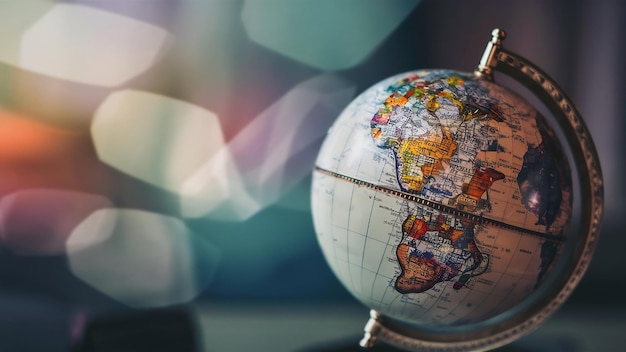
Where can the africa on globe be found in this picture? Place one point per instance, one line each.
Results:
(442, 200)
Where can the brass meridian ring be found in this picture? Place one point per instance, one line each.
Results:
(495, 58)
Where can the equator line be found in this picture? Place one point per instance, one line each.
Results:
(477, 219)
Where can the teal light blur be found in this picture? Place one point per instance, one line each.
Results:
(328, 35)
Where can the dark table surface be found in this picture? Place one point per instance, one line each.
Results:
(326, 328)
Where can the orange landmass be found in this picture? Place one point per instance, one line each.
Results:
(427, 154)
(418, 273)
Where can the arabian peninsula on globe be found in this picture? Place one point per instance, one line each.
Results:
(441, 199)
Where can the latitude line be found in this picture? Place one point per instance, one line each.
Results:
(477, 219)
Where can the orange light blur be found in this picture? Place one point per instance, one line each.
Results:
(22, 139)
(36, 155)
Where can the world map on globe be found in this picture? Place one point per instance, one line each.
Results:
(440, 198)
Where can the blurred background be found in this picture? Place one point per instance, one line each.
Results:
(157, 153)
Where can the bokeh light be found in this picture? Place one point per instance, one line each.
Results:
(157, 139)
(284, 131)
(325, 34)
(83, 44)
(269, 155)
(17, 17)
(217, 189)
(39, 221)
(133, 132)
(22, 138)
(36, 155)
(142, 259)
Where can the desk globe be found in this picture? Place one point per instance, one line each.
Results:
(453, 209)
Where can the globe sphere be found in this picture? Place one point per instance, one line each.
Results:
(441, 199)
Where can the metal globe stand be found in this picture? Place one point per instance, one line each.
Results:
(578, 138)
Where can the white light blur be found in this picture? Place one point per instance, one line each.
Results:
(157, 139)
(87, 45)
(271, 154)
(16, 17)
(144, 259)
(82, 236)
(282, 135)
(217, 189)
(40, 221)
(325, 34)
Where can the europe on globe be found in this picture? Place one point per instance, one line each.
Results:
(441, 199)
